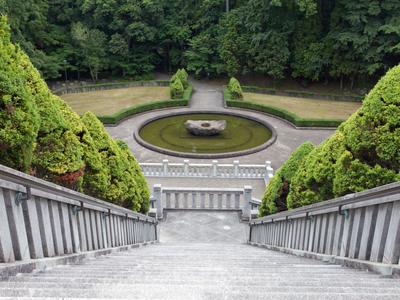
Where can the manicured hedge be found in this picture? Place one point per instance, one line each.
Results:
(19, 117)
(363, 153)
(284, 114)
(109, 86)
(301, 94)
(41, 135)
(132, 110)
(275, 195)
(234, 89)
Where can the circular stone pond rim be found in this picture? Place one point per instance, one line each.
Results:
(205, 155)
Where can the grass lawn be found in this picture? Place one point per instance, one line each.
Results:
(307, 108)
(107, 102)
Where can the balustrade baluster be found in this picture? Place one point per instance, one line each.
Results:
(194, 194)
(211, 200)
(202, 200)
(185, 200)
(177, 200)
(168, 200)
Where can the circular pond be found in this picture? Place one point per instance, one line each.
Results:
(169, 135)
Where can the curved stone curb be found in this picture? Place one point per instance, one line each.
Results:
(205, 155)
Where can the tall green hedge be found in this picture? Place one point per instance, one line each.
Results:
(234, 89)
(19, 118)
(275, 195)
(40, 134)
(362, 154)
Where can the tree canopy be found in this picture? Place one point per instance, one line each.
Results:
(344, 40)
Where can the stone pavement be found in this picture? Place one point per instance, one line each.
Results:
(208, 96)
(196, 267)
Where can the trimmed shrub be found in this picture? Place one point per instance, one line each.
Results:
(126, 185)
(235, 89)
(313, 182)
(274, 199)
(19, 119)
(74, 152)
(362, 154)
(141, 201)
(176, 89)
(284, 114)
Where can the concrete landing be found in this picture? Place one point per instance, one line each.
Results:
(202, 227)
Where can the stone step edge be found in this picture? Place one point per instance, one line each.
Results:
(28, 266)
(386, 270)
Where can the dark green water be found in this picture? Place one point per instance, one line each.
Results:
(170, 133)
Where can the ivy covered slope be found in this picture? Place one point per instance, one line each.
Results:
(41, 135)
(274, 199)
(363, 153)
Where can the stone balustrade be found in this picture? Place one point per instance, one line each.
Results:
(186, 198)
(41, 219)
(361, 229)
(215, 169)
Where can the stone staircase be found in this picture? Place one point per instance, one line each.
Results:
(223, 268)
(200, 271)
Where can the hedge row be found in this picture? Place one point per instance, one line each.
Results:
(284, 114)
(132, 110)
(41, 135)
(363, 153)
(275, 195)
(301, 94)
(109, 86)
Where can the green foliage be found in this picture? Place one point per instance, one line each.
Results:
(125, 182)
(274, 199)
(362, 154)
(52, 142)
(284, 114)
(182, 75)
(234, 89)
(176, 88)
(344, 40)
(136, 109)
(18, 112)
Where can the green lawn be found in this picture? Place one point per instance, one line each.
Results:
(107, 102)
(307, 108)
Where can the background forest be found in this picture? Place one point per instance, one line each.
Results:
(310, 40)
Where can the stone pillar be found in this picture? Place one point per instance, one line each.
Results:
(269, 171)
(246, 211)
(214, 168)
(157, 196)
(186, 167)
(236, 168)
(165, 167)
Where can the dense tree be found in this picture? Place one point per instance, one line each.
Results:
(306, 39)
(362, 154)
(40, 134)
(275, 196)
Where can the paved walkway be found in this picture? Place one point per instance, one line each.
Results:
(190, 265)
(209, 96)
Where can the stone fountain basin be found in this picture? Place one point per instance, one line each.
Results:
(205, 127)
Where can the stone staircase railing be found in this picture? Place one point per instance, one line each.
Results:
(40, 219)
(187, 198)
(214, 170)
(358, 230)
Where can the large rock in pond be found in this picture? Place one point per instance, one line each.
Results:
(205, 127)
